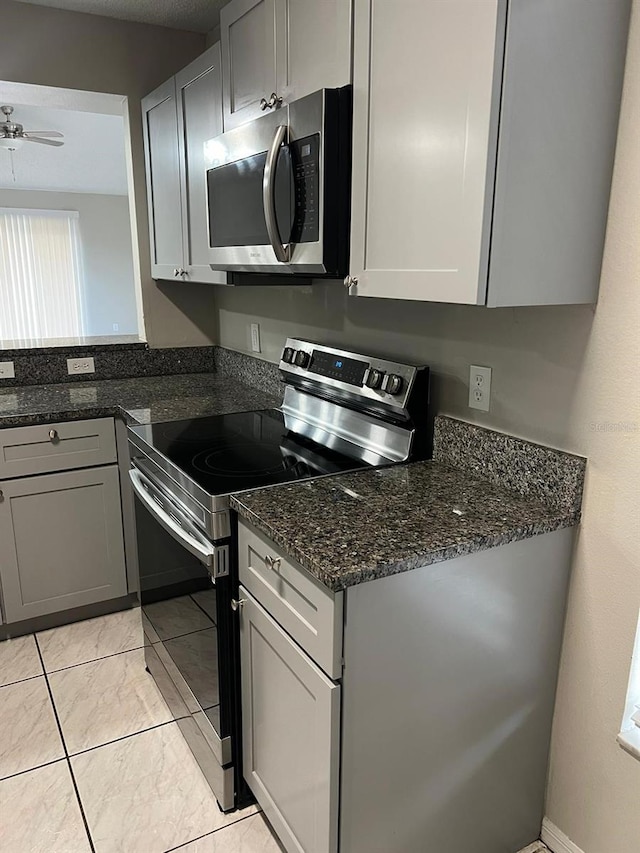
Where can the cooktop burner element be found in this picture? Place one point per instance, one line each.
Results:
(245, 450)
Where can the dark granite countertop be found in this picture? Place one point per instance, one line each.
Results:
(139, 400)
(357, 527)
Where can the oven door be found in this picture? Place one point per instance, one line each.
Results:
(273, 187)
(185, 598)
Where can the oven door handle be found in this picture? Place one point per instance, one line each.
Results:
(282, 251)
(179, 528)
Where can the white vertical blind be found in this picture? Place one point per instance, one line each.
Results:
(41, 275)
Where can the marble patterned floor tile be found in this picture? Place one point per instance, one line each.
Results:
(206, 599)
(146, 794)
(251, 835)
(29, 734)
(19, 659)
(106, 699)
(91, 639)
(45, 815)
(176, 616)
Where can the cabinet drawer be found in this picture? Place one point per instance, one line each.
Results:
(45, 448)
(305, 608)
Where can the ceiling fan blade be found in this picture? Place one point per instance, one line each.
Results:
(42, 141)
(31, 133)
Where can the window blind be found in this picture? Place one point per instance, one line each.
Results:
(41, 275)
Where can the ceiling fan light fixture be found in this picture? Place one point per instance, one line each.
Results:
(10, 144)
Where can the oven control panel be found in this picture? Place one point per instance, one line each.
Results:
(367, 376)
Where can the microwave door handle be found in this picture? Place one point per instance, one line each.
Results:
(187, 537)
(282, 252)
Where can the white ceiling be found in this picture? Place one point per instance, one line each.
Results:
(196, 15)
(92, 159)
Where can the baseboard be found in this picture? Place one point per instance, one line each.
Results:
(557, 841)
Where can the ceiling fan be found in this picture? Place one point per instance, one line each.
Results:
(12, 134)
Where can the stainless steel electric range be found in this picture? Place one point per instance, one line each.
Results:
(341, 412)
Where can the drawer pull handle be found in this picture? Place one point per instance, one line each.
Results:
(239, 604)
(273, 562)
(53, 434)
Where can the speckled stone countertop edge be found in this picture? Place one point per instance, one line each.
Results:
(337, 581)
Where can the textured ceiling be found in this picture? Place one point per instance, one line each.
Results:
(92, 159)
(195, 15)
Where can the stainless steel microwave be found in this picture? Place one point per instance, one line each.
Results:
(278, 190)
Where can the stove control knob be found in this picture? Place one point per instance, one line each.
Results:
(302, 358)
(288, 354)
(392, 384)
(374, 378)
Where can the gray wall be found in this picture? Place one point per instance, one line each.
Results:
(106, 245)
(78, 51)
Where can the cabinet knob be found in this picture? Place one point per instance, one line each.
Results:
(239, 604)
(273, 562)
(274, 101)
(350, 281)
(53, 434)
(176, 272)
(1, 496)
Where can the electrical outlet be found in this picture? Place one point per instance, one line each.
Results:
(479, 387)
(255, 337)
(7, 370)
(80, 365)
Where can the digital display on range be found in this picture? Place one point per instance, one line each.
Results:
(336, 367)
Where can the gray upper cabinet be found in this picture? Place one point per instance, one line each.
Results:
(179, 118)
(289, 48)
(198, 91)
(248, 37)
(473, 181)
(163, 180)
(61, 542)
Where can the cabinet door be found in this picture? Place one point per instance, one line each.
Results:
(199, 96)
(163, 180)
(248, 38)
(426, 91)
(313, 47)
(290, 732)
(61, 542)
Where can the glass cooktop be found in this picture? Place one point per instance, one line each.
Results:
(243, 450)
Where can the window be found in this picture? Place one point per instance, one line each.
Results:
(41, 277)
(629, 736)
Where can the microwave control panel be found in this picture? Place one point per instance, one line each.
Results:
(305, 162)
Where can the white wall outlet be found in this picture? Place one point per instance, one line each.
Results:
(80, 365)
(7, 370)
(479, 387)
(255, 337)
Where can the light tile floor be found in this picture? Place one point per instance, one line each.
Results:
(91, 760)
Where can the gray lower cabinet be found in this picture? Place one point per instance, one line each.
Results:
(435, 735)
(61, 542)
(291, 734)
